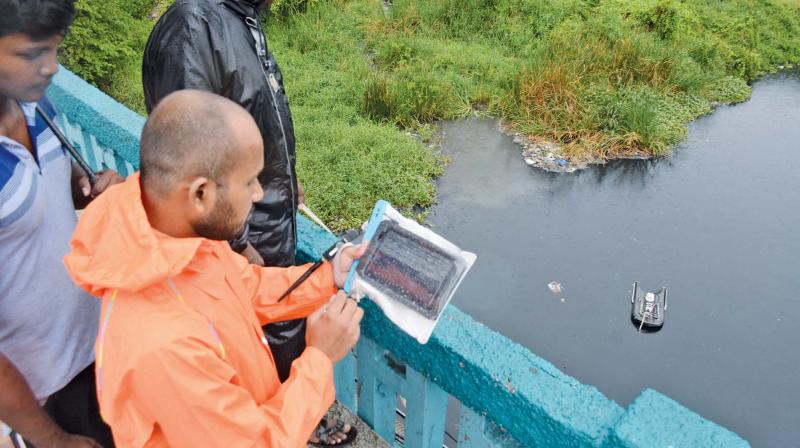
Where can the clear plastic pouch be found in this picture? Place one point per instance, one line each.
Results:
(408, 270)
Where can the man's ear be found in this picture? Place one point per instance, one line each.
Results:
(202, 193)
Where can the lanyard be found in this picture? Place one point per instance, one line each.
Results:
(71, 149)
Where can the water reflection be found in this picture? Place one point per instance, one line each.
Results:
(631, 173)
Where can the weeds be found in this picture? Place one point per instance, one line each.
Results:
(604, 78)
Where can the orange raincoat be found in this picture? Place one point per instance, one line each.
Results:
(181, 358)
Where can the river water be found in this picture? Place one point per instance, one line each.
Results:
(718, 223)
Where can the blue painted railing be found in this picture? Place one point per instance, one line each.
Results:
(103, 131)
(507, 396)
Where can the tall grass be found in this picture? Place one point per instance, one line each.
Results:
(604, 78)
(347, 157)
(105, 44)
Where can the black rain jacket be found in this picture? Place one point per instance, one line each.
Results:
(211, 45)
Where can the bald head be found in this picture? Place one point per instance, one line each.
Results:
(191, 133)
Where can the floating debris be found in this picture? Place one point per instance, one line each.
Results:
(562, 300)
(555, 287)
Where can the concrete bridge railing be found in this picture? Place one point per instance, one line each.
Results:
(501, 394)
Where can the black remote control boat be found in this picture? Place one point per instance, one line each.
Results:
(647, 310)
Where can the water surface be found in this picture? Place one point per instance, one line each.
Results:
(718, 223)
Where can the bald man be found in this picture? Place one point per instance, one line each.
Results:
(181, 360)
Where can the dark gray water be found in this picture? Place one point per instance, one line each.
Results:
(718, 223)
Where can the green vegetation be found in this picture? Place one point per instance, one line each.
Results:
(602, 77)
(105, 45)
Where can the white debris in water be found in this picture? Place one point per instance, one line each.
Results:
(547, 155)
(555, 287)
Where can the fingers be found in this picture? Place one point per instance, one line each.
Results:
(355, 327)
(102, 182)
(337, 302)
(349, 310)
(349, 316)
(340, 308)
(334, 327)
(334, 306)
(349, 254)
(356, 252)
(105, 179)
(353, 252)
(318, 313)
(85, 186)
(344, 260)
(358, 314)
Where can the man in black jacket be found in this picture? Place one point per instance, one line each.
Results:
(219, 46)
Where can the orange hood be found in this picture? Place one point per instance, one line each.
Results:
(114, 246)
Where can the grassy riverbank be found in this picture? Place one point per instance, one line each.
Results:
(603, 78)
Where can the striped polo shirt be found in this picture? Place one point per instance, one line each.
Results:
(47, 324)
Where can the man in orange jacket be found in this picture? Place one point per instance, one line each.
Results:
(181, 359)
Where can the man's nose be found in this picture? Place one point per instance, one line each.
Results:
(50, 65)
(258, 192)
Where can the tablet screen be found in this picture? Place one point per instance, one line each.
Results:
(410, 269)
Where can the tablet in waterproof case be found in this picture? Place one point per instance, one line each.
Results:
(411, 269)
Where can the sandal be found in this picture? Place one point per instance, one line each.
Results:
(324, 432)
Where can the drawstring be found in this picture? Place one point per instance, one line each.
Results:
(102, 338)
(102, 341)
(175, 290)
(210, 325)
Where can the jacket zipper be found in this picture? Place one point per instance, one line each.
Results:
(255, 28)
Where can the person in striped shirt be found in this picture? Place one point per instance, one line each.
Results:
(47, 324)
